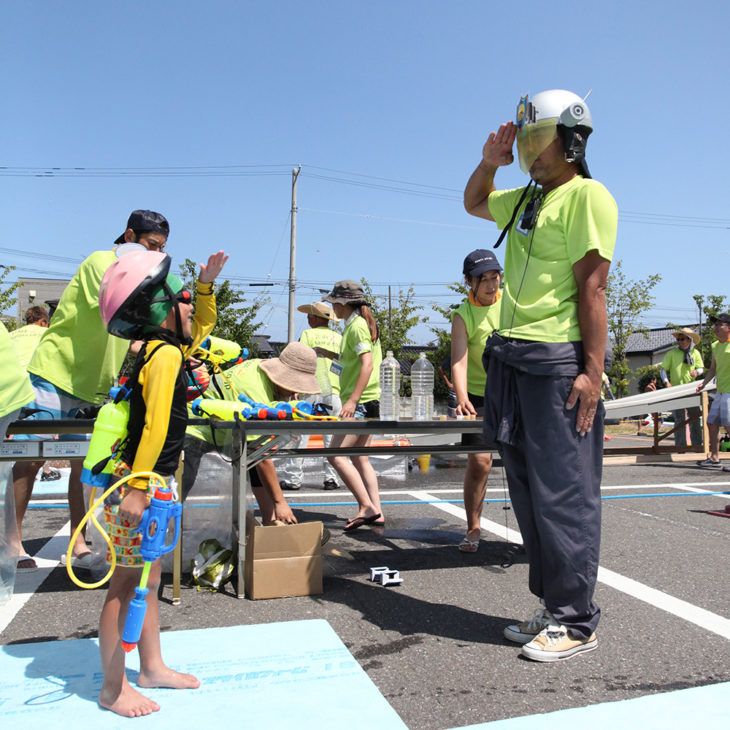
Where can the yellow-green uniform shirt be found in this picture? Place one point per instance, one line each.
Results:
(540, 300)
(25, 340)
(677, 369)
(480, 323)
(245, 378)
(327, 339)
(721, 353)
(76, 353)
(15, 388)
(355, 342)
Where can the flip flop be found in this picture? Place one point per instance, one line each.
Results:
(26, 569)
(360, 521)
(469, 546)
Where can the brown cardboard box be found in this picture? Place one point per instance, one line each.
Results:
(283, 560)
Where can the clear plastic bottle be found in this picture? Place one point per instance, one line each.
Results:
(389, 388)
(422, 389)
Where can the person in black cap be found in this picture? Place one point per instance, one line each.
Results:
(719, 414)
(543, 395)
(471, 324)
(75, 364)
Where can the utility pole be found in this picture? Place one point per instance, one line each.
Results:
(293, 253)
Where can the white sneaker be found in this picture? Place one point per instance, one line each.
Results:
(555, 643)
(527, 630)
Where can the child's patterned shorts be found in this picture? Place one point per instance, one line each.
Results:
(126, 541)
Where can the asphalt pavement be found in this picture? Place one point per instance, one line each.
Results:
(433, 645)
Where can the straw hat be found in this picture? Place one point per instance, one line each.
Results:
(294, 369)
(319, 309)
(690, 333)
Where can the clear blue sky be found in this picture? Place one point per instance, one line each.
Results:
(200, 111)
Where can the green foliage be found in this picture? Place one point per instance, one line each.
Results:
(7, 291)
(395, 318)
(236, 319)
(626, 301)
(710, 306)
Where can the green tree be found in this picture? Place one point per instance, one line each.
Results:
(237, 320)
(626, 301)
(395, 318)
(7, 291)
(710, 305)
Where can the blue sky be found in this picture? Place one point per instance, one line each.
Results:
(201, 110)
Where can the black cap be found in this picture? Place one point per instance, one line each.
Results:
(144, 221)
(724, 317)
(479, 261)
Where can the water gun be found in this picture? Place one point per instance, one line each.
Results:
(263, 412)
(153, 527)
(303, 410)
(220, 352)
(226, 410)
(110, 430)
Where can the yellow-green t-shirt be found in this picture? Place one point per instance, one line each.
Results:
(721, 353)
(25, 340)
(355, 342)
(76, 353)
(678, 370)
(480, 322)
(15, 388)
(327, 339)
(540, 291)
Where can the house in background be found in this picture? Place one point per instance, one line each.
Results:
(649, 348)
(38, 292)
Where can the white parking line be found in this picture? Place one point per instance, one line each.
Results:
(676, 606)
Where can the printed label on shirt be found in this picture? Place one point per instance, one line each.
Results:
(519, 227)
(336, 368)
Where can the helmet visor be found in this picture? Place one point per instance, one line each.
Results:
(533, 140)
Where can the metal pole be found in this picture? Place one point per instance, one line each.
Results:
(293, 253)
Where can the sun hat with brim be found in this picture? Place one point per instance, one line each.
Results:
(346, 292)
(724, 317)
(294, 369)
(689, 333)
(319, 309)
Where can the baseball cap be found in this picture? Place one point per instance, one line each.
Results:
(144, 221)
(724, 317)
(479, 261)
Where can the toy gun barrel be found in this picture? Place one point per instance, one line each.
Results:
(153, 527)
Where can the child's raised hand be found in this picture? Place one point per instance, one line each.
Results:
(209, 271)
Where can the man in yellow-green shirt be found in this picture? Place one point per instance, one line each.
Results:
(76, 362)
(544, 366)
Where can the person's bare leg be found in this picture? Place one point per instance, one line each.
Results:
(24, 473)
(153, 672)
(77, 507)
(714, 433)
(478, 467)
(368, 476)
(351, 477)
(116, 694)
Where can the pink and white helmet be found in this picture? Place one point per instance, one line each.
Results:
(126, 290)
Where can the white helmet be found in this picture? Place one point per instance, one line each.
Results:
(547, 116)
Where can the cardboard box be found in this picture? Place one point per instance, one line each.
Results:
(283, 560)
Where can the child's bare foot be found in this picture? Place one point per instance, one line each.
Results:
(128, 702)
(166, 677)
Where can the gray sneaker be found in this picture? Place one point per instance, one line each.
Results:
(709, 464)
(289, 486)
(526, 631)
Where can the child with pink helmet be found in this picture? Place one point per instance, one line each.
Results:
(139, 299)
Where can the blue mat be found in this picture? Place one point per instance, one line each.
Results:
(701, 707)
(296, 674)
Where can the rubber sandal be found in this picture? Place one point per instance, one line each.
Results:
(25, 569)
(360, 521)
(81, 562)
(469, 546)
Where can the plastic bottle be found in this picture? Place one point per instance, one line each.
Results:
(389, 388)
(422, 389)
